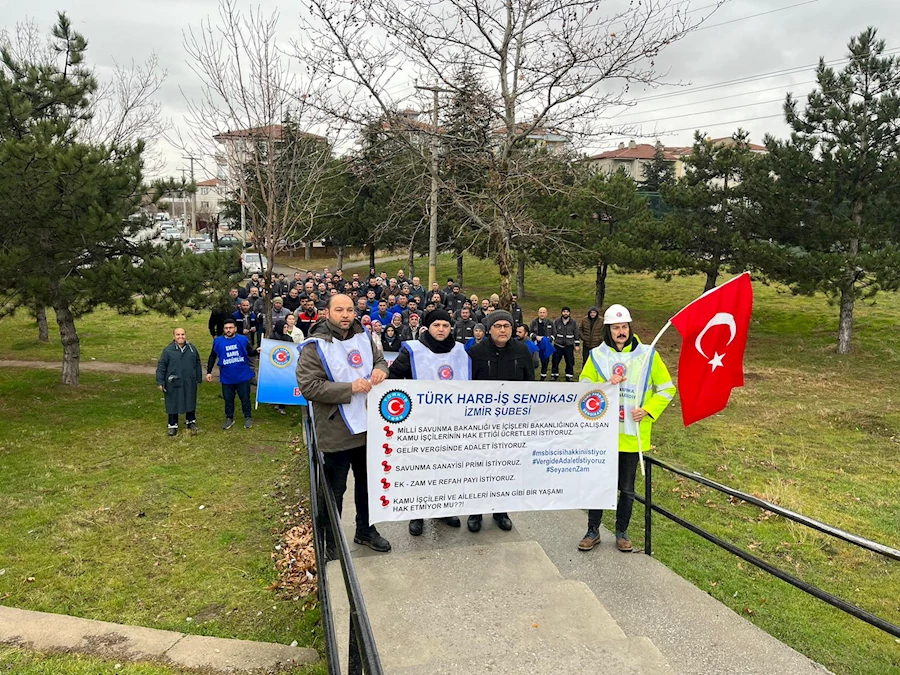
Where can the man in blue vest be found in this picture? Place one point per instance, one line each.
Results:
(338, 366)
(434, 356)
(233, 353)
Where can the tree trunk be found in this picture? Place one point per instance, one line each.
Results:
(711, 276)
(520, 275)
(308, 255)
(459, 266)
(411, 257)
(340, 256)
(71, 344)
(504, 264)
(845, 328)
(43, 329)
(600, 285)
(372, 254)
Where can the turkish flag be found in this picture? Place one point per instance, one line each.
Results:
(714, 331)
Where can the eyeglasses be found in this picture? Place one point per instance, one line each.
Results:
(502, 326)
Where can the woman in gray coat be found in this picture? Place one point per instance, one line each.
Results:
(177, 375)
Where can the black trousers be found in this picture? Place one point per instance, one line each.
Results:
(628, 464)
(337, 468)
(189, 417)
(569, 353)
(242, 389)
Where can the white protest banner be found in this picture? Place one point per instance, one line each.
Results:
(465, 447)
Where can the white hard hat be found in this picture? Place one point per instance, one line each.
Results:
(616, 314)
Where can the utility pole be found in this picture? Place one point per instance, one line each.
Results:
(193, 226)
(432, 233)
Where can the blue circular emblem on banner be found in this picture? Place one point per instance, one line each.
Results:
(445, 372)
(281, 357)
(593, 405)
(355, 359)
(395, 406)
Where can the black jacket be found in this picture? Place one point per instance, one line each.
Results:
(517, 315)
(463, 330)
(566, 334)
(513, 362)
(544, 328)
(401, 368)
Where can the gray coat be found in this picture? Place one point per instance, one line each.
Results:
(324, 395)
(179, 371)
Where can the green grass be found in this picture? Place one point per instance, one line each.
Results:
(812, 431)
(107, 518)
(24, 662)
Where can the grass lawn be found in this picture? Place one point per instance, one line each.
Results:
(107, 518)
(812, 431)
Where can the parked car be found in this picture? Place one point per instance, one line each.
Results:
(253, 262)
(203, 247)
(170, 234)
(193, 241)
(229, 241)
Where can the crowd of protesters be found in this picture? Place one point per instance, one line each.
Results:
(400, 318)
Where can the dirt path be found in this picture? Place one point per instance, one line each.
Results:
(95, 366)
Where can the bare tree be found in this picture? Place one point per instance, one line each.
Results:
(255, 108)
(552, 65)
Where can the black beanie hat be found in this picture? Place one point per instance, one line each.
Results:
(437, 315)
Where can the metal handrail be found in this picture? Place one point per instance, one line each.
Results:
(815, 591)
(362, 650)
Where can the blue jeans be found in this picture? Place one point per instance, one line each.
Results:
(242, 389)
(628, 464)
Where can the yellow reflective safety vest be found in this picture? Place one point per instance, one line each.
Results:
(652, 394)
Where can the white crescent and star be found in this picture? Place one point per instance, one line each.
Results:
(720, 319)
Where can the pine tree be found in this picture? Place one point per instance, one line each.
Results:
(64, 202)
(658, 172)
(829, 193)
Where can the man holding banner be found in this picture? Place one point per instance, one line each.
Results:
(434, 356)
(499, 357)
(338, 366)
(644, 392)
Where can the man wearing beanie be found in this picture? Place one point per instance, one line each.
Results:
(566, 340)
(644, 392)
(434, 356)
(499, 357)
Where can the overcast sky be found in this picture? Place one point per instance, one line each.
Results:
(733, 45)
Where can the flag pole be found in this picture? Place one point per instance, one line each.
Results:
(647, 366)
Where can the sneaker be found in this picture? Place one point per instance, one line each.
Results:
(543, 377)
(229, 422)
(248, 423)
(373, 540)
(554, 378)
(173, 431)
(623, 543)
(570, 378)
(591, 539)
(192, 427)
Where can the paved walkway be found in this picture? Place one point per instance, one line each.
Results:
(94, 366)
(56, 633)
(637, 607)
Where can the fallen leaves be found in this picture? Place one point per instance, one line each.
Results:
(295, 558)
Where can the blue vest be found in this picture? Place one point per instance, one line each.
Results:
(234, 363)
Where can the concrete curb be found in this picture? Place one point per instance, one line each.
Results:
(44, 632)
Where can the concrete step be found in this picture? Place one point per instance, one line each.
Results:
(500, 608)
(632, 656)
